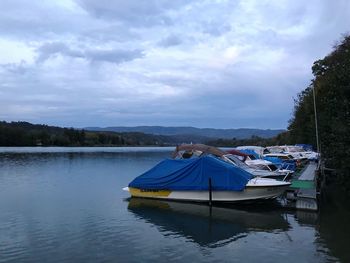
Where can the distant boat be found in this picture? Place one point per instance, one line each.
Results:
(233, 157)
(252, 160)
(203, 179)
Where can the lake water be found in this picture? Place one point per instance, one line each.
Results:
(67, 205)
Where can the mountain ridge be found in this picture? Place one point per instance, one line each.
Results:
(239, 133)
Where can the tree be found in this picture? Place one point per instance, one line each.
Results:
(332, 88)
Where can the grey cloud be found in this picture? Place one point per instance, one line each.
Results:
(171, 40)
(216, 28)
(96, 55)
(109, 32)
(32, 20)
(49, 49)
(48, 20)
(135, 12)
(276, 45)
(15, 68)
(114, 55)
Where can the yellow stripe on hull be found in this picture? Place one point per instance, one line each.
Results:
(148, 193)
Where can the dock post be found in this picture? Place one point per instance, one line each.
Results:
(210, 193)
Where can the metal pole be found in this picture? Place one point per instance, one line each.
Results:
(316, 126)
(210, 193)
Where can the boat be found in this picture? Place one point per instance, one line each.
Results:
(256, 189)
(253, 161)
(306, 154)
(260, 151)
(297, 152)
(256, 170)
(203, 179)
(232, 156)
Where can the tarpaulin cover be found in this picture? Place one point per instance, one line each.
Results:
(193, 174)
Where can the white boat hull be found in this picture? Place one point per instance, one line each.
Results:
(259, 188)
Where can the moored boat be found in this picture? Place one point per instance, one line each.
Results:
(232, 156)
(258, 188)
(203, 179)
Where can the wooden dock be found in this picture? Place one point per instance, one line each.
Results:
(303, 189)
(308, 173)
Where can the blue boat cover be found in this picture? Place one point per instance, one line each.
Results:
(193, 174)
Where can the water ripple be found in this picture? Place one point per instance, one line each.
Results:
(69, 207)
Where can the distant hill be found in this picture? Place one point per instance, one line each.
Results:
(28, 134)
(210, 133)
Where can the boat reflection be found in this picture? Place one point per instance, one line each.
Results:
(212, 227)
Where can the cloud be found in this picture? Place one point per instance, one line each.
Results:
(201, 63)
(170, 40)
(133, 12)
(95, 55)
(113, 55)
(50, 49)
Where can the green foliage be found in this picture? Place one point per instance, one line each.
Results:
(27, 134)
(332, 89)
(253, 140)
(302, 127)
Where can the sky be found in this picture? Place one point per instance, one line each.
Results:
(215, 64)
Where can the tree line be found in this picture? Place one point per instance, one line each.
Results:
(253, 140)
(27, 134)
(331, 87)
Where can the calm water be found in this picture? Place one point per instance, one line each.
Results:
(67, 205)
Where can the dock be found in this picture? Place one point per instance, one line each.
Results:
(303, 189)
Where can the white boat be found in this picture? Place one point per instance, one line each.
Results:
(260, 151)
(258, 171)
(297, 152)
(203, 179)
(233, 157)
(256, 189)
(264, 165)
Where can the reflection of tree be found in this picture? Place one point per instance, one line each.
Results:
(334, 227)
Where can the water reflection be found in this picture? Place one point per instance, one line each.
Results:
(211, 227)
(334, 230)
(67, 205)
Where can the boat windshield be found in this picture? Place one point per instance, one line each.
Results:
(252, 157)
(295, 149)
(237, 161)
(260, 167)
(266, 151)
(275, 149)
(272, 167)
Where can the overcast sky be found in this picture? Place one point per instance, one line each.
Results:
(221, 64)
